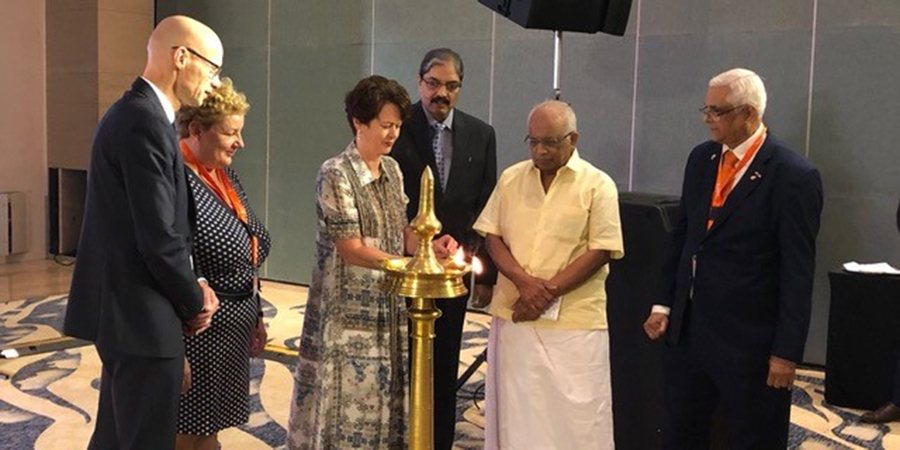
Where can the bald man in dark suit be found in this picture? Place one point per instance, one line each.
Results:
(134, 291)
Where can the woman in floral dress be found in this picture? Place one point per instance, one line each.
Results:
(350, 384)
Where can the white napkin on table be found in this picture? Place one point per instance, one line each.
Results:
(873, 268)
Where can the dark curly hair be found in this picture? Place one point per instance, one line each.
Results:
(370, 94)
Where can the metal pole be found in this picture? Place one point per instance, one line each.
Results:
(421, 405)
(557, 63)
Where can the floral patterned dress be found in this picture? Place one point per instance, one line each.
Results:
(350, 384)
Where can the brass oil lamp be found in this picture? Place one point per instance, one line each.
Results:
(423, 278)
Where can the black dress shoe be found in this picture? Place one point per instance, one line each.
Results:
(887, 413)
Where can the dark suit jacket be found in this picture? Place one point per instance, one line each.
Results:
(753, 281)
(473, 174)
(133, 284)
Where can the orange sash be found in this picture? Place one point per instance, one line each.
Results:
(229, 196)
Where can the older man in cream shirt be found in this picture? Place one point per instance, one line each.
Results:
(551, 226)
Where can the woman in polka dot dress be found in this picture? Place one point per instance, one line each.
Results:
(229, 245)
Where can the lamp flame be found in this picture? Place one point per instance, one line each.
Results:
(459, 258)
(477, 267)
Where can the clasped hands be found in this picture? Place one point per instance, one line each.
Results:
(203, 319)
(197, 325)
(535, 296)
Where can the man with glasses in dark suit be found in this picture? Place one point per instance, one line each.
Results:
(738, 276)
(134, 291)
(461, 151)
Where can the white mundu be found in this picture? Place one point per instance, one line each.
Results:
(554, 392)
(548, 383)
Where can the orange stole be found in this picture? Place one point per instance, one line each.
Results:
(228, 195)
(729, 167)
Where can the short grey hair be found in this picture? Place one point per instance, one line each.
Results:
(441, 56)
(561, 108)
(746, 86)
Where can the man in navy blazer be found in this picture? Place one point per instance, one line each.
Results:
(134, 291)
(738, 275)
(461, 151)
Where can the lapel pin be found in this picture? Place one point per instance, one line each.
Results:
(756, 175)
(713, 156)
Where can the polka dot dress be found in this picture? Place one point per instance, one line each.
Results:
(220, 356)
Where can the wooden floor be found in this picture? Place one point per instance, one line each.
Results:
(21, 280)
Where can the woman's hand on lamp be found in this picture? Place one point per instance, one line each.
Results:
(444, 246)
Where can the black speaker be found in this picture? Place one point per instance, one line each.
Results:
(66, 194)
(586, 16)
(631, 289)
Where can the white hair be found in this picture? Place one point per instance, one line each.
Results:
(561, 108)
(746, 86)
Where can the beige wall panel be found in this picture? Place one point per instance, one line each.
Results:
(70, 128)
(144, 7)
(23, 157)
(122, 41)
(71, 87)
(112, 86)
(57, 6)
(72, 40)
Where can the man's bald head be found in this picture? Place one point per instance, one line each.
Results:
(183, 60)
(183, 31)
(560, 113)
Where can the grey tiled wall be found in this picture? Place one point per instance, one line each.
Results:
(830, 67)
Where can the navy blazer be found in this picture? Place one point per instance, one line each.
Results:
(133, 284)
(744, 287)
(473, 174)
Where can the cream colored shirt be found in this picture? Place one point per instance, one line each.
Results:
(545, 232)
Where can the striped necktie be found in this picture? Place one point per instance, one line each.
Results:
(437, 145)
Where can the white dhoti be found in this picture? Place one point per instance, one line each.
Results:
(547, 389)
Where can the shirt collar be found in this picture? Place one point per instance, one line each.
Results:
(742, 148)
(360, 168)
(575, 163)
(166, 104)
(448, 122)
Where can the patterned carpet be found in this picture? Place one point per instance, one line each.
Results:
(48, 398)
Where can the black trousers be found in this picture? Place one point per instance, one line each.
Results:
(138, 406)
(895, 399)
(448, 329)
(754, 415)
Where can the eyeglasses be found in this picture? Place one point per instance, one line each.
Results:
(434, 84)
(715, 113)
(548, 143)
(217, 69)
